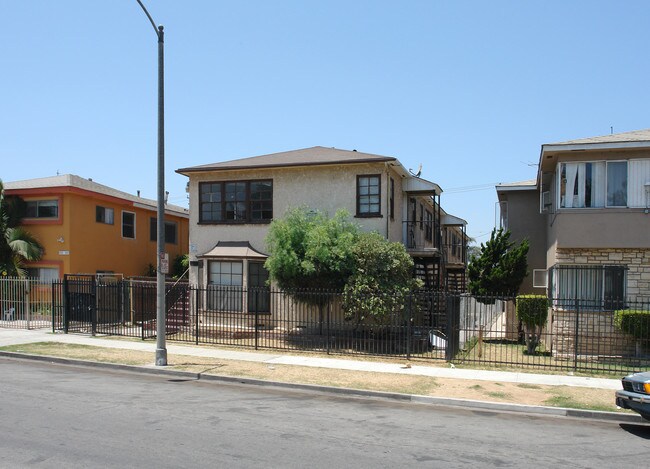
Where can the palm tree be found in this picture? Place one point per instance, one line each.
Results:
(16, 244)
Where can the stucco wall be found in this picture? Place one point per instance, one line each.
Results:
(525, 222)
(326, 188)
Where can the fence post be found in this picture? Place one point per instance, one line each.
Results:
(257, 315)
(52, 303)
(575, 341)
(196, 316)
(66, 305)
(452, 306)
(329, 303)
(408, 326)
(27, 288)
(142, 309)
(93, 306)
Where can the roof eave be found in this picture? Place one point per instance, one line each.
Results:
(203, 169)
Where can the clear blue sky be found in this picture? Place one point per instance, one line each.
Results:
(470, 89)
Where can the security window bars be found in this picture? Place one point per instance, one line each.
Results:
(236, 201)
(595, 287)
(369, 196)
(42, 209)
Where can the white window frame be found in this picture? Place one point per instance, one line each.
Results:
(540, 278)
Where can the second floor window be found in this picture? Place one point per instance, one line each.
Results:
(104, 215)
(128, 225)
(593, 184)
(42, 209)
(236, 201)
(369, 196)
(171, 231)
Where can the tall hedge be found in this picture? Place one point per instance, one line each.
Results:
(532, 311)
(634, 322)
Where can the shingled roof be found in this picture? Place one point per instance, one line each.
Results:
(634, 136)
(305, 157)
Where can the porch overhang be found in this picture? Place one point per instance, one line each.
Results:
(424, 252)
(450, 220)
(419, 186)
(233, 250)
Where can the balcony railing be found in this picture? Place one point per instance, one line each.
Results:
(455, 253)
(421, 236)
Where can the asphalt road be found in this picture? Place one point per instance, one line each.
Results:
(54, 416)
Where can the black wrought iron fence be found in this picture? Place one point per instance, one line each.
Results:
(427, 325)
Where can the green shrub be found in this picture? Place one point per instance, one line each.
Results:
(634, 322)
(532, 311)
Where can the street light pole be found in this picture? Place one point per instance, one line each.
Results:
(161, 350)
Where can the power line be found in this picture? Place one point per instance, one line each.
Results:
(479, 187)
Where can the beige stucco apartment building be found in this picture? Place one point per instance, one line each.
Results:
(233, 202)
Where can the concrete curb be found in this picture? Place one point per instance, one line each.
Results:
(414, 398)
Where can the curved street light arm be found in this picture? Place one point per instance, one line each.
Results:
(158, 30)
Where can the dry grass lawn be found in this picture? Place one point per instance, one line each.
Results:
(559, 396)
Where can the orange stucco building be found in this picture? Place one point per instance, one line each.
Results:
(89, 228)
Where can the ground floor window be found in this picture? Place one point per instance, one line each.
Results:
(238, 286)
(225, 281)
(43, 274)
(593, 287)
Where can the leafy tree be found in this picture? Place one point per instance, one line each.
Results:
(308, 250)
(499, 268)
(180, 265)
(16, 244)
(381, 282)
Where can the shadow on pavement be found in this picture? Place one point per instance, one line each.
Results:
(642, 431)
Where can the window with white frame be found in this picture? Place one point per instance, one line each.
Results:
(594, 184)
(225, 280)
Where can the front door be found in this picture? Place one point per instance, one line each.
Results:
(259, 296)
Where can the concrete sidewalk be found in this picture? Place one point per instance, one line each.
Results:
(18, 336)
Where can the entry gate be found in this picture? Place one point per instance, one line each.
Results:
(79, 303)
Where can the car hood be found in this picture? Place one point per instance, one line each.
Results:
(645, 376)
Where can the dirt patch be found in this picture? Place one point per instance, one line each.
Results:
(517, 393)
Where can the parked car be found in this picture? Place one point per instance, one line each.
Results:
(635, 394)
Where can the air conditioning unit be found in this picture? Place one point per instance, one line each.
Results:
(540, 278)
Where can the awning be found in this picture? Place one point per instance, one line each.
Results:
(237, 249)
(450, 220)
